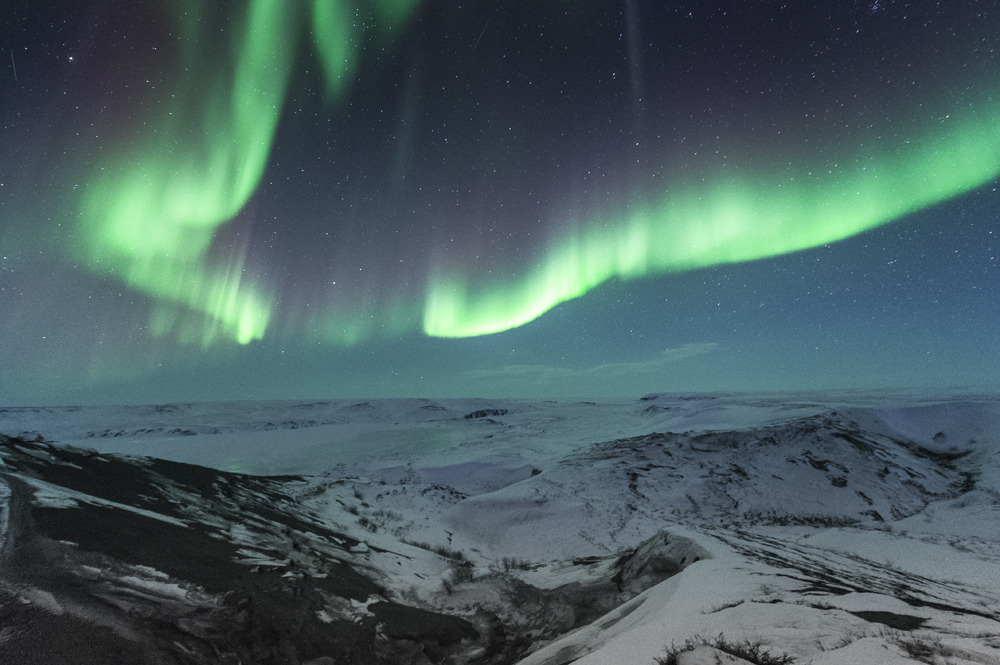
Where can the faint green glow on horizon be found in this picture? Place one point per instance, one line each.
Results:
(734, 218)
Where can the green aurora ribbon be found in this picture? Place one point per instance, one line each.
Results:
(150, 216)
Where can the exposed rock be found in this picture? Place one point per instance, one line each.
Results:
(486, 413)
(112, 559)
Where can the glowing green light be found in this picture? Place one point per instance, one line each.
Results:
(150, 219)
(331, 34)
(150, 215)
(741, 217)
(338, 27)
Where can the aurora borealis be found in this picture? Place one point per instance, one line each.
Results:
(324, 198)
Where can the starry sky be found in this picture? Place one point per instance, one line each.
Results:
(538, 198)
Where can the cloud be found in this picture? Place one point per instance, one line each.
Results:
(601, 379)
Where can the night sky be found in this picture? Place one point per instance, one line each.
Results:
(272, 199)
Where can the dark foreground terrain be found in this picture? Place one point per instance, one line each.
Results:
(687, 528)
(110, 559)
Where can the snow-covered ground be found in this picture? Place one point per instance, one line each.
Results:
(834, 528)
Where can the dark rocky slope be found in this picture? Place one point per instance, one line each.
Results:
(111, 559)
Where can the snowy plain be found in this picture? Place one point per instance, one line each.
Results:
(831, 528)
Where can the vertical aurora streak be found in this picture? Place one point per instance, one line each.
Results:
(150, 217)
(150, 214)
(337, 30)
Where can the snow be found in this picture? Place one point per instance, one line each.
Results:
(47, 495)
(790, 533)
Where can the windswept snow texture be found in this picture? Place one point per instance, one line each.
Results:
(833, 529)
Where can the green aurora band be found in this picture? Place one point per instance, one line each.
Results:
(734, 218)
(149, 218)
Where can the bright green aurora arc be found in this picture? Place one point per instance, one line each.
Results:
(735, 218)
(151, 213)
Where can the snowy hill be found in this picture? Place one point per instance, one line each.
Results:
(826, 528)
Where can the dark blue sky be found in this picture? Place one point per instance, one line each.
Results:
(546, 173)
